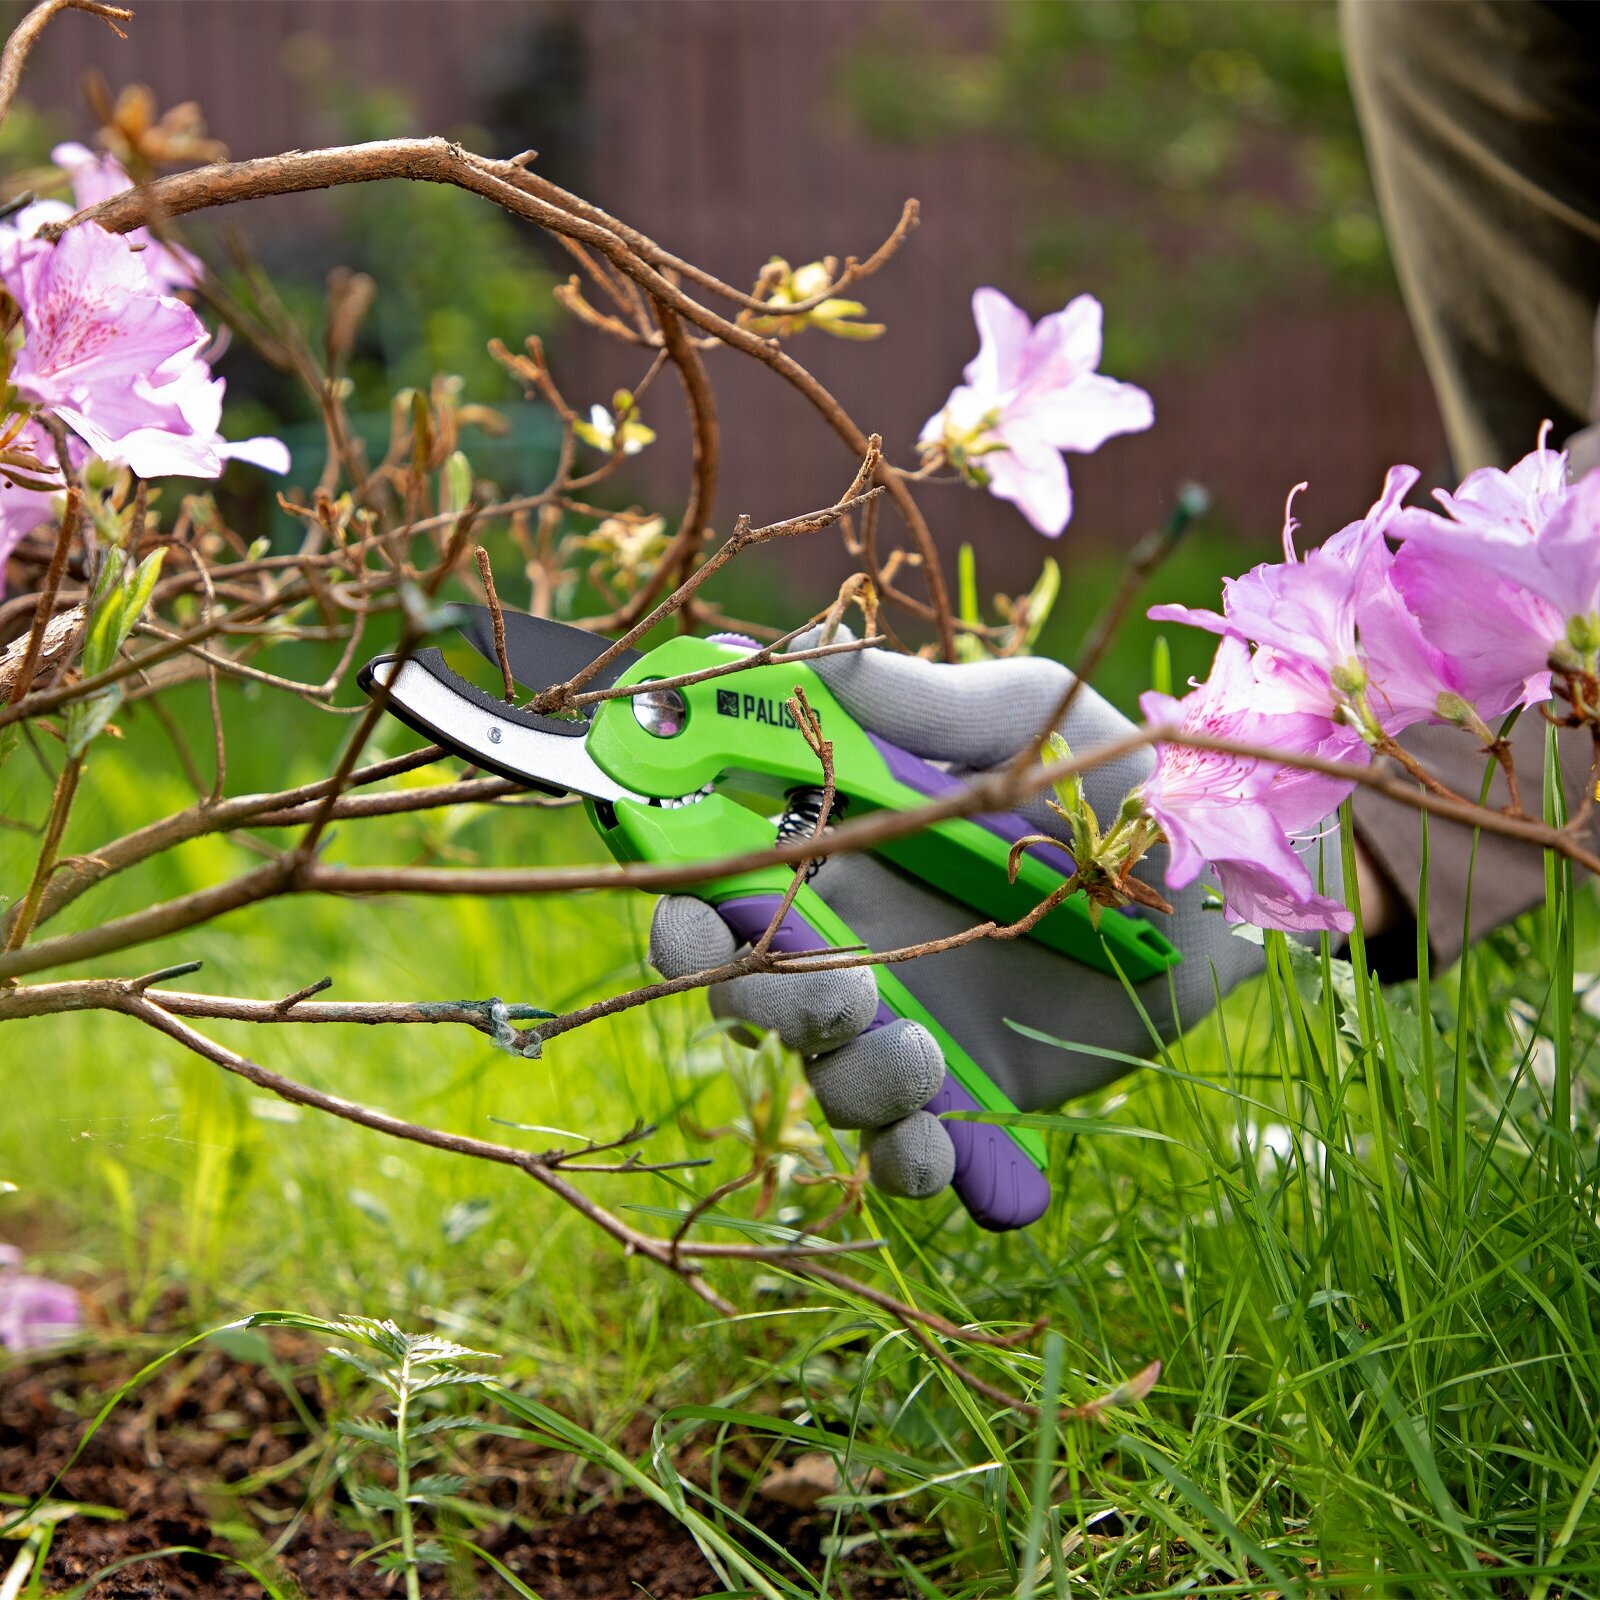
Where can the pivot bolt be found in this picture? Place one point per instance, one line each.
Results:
(661, 712)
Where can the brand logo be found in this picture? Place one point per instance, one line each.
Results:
(754, 708)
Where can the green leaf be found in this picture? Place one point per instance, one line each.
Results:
(1078, 811)
(967, 647)
(100, 642)
(1059, 1122)
(241, 1344)
(435, 1486)
(374, 1497)
(440, 1424)
(140, 590)
(1161, 665)
(1042, 601)
(456, 485)
(371, 1432)
(115, 607)
(110, 575)
(85, 718)
(367, 1369)
(465, 1218)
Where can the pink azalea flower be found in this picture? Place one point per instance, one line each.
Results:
(1512, 506)
(1236, 813)
(1304, 611)
(1527, 524)
(23, 509)
(96, 338)
(97, 177)
(1031, 392)
(202, 452)
(34, 1312)
(25, 223)
(1496, 634)
(117, 362)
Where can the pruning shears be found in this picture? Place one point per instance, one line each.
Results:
(699, 771)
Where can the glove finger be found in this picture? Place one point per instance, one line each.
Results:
(913, 1158)
(878, 1078)
(686, 936)
(812, 1012)
(977, 714)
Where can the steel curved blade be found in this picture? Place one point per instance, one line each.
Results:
(542, 653)
(543, 752)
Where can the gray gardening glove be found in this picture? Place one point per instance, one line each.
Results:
(972, 719)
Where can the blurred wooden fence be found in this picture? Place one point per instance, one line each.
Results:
(715, 126)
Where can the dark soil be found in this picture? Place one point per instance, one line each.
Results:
(205, 1456)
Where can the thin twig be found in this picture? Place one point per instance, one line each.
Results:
(997, 791)
(51, 586)
(497, 619)
(810, 726)
(1146, 558)
(60, 809)
(766, 657)
(742, 538)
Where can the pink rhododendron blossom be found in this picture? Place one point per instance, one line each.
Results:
(97, 177)
(1031, 392)
(1501, 507)
(22, 509)
(1236, 813)
(202, 451)
(1305, 612)
(1529, 525)
(1496, 634)
(34, 1312)
(120, 364)
(25, 223)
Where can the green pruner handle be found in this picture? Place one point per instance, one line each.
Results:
(1000, 1171)
(999, 1174)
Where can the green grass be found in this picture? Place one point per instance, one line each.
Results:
(1362, 1244)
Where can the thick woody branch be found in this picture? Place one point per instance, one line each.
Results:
(78, 873)
(998, 791)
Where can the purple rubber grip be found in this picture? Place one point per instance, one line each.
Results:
(933, 782)
(994, 1179)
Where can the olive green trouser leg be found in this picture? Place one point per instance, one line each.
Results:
(1482, 125)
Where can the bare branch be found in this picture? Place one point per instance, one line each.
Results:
(26, 34)
(439, 161)
(47, 594)
(498, 620)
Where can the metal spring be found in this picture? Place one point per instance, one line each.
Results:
(800, 818)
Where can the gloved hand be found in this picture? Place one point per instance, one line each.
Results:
(972, 718)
